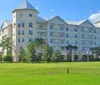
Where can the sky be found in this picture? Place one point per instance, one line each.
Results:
(74, 10)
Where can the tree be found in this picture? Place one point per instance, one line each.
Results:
(93, 50)
(39, 42)
(70, 50)
(74, 49)
(22, 54)
(6, 43)
(56, 56)
(8, 58)
(31, 51)
(96, 50)
(47, 53)
(1, 58)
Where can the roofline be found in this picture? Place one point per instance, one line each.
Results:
(59, 18)
(25, 9)
(6, 23)
(88, 21)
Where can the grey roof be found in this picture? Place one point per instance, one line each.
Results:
(40, 19)
(75, 22)
(9, 22)
(72, 22)
(57, 17)
(25, 5)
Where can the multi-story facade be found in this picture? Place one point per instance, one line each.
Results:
(27, 25)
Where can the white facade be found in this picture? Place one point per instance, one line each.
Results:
(27, 25)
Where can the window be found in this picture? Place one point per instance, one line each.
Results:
(61, 28)
(30, 32)
(22, 39)
(51, 26)
(95, 43)
(67, 35)
(67, 29)
(76, 42)
(22, 24)
(40, 27)
(18, 32)
(30, 15)
(62, 48)
(75, 29)
(30, 24)
(95, 37)
(21, 15)
(51, 33)
(62, 41)
(61, 34)
(18, 39)
(19, 25)
(23, 32)
(30, 39)
(94, 31)
(90, 42)
(67, 42)
(51, 41)
(76, 36)
(71, 30)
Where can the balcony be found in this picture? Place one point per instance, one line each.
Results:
(41, 29)
(42, 35)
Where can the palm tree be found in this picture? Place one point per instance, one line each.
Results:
(69, 49)
(75, 48)
(93, 50)
(96, 50)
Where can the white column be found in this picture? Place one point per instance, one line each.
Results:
(48, 33)
(72, 55)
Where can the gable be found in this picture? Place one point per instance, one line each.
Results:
(57, 20)
(4, 24)
(87, 24)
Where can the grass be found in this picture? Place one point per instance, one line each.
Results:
(81, 73)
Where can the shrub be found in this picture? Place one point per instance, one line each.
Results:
(0, 58)
(8, 58)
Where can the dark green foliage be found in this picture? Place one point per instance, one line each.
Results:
(22, 55)
(39, 42)
(56, 56)
(47, 54)
(6, 43)
(96, 50)
(31, 51)
(8, 58)
(0, 58)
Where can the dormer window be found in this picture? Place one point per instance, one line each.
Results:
(30, 15)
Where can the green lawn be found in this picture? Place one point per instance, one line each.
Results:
(87, 73)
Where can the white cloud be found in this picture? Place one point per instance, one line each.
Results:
(52, 10)
(95, 16)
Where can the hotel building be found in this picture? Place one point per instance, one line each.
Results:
(26, 25)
